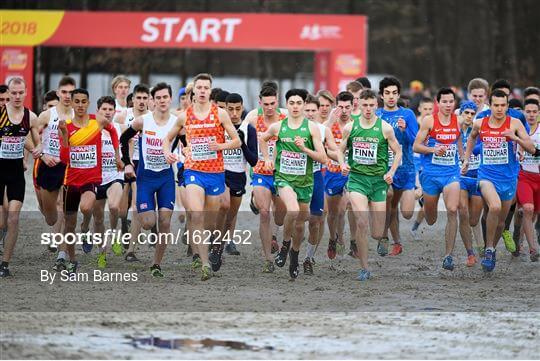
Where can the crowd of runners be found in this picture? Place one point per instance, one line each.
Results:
(321, 159)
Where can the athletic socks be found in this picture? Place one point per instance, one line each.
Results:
(61, 255)
(310, 251)
(415, 226)
(294, 256)
(470, 252)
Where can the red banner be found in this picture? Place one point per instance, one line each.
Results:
(18, 62)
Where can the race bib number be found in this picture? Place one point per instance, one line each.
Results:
(108, 163)
(495, 153)
(448, 158)
(12, 147)
(233, 157)
(529, 159)
(474, 162)
(271, 147)
(83, 156)
(391, 157)
(364, 152)
(200, 149)
(293, 163)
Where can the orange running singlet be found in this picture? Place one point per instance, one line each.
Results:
(199, 133)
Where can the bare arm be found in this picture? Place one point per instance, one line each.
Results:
(418, 145)
(519, 135)
(345, 168)
(272, 131)
(332, 149)
(471, 142)
(169, 138)
(231, 131)
(318, 154)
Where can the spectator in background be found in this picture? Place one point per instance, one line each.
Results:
(416, 89)
(214, 93)
(221, 98)
(129, 100)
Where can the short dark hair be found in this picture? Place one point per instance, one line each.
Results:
(368, 94)
(515, 103)
(302, 93)
(344, 97)
(501, 84)
(66, 80)
(497, 93)
(313, 100)
(530, 91)
(50, 95)
(532, 101)
(426, 100)
(389, 81)
(141, 88)
(3, 88)
(129, 98)
(271, 84)
(214, 93)
(234, 98)
(222, 96)
(364, 81)
(203, 76)
(106, 99)
(267, 91)
(80, 91)
(161, 86)
(443, 91)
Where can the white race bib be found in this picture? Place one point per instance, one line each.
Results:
(448, 158)
(364, 152)
(495, 153)
(200, 148)
(293, 163)
(12, 147)
(83, 156)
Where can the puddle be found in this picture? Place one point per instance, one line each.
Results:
(181, 343)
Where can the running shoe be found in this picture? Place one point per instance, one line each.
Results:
(509, 241)
(215, 253)
(196, 262)
(101, 260)
(364, 275)
(415, 235)
(230, 248)
(130, 257)
(4, 272)
(488, 263)
(72, 267)
(396, 249)
(86, 244)
(294, 269)
(268, 267)
(382, 246)
(59, 265)
(116, 248)
(308, 267)
(206, 273)
(216, 266)
(448, 263)
(275, 245)
(471, 260)
(534, 255)
(353, 252)
(281, 257)
(252, 205)
(331, 251)
(155, 270)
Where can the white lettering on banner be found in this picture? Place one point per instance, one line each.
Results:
(209, 30)
(316, 32)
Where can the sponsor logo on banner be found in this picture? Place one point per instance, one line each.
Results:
(317, 32)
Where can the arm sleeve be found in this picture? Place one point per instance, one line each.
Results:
(124, 142)
(250, 149)
(412, 127)
(114, 135)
